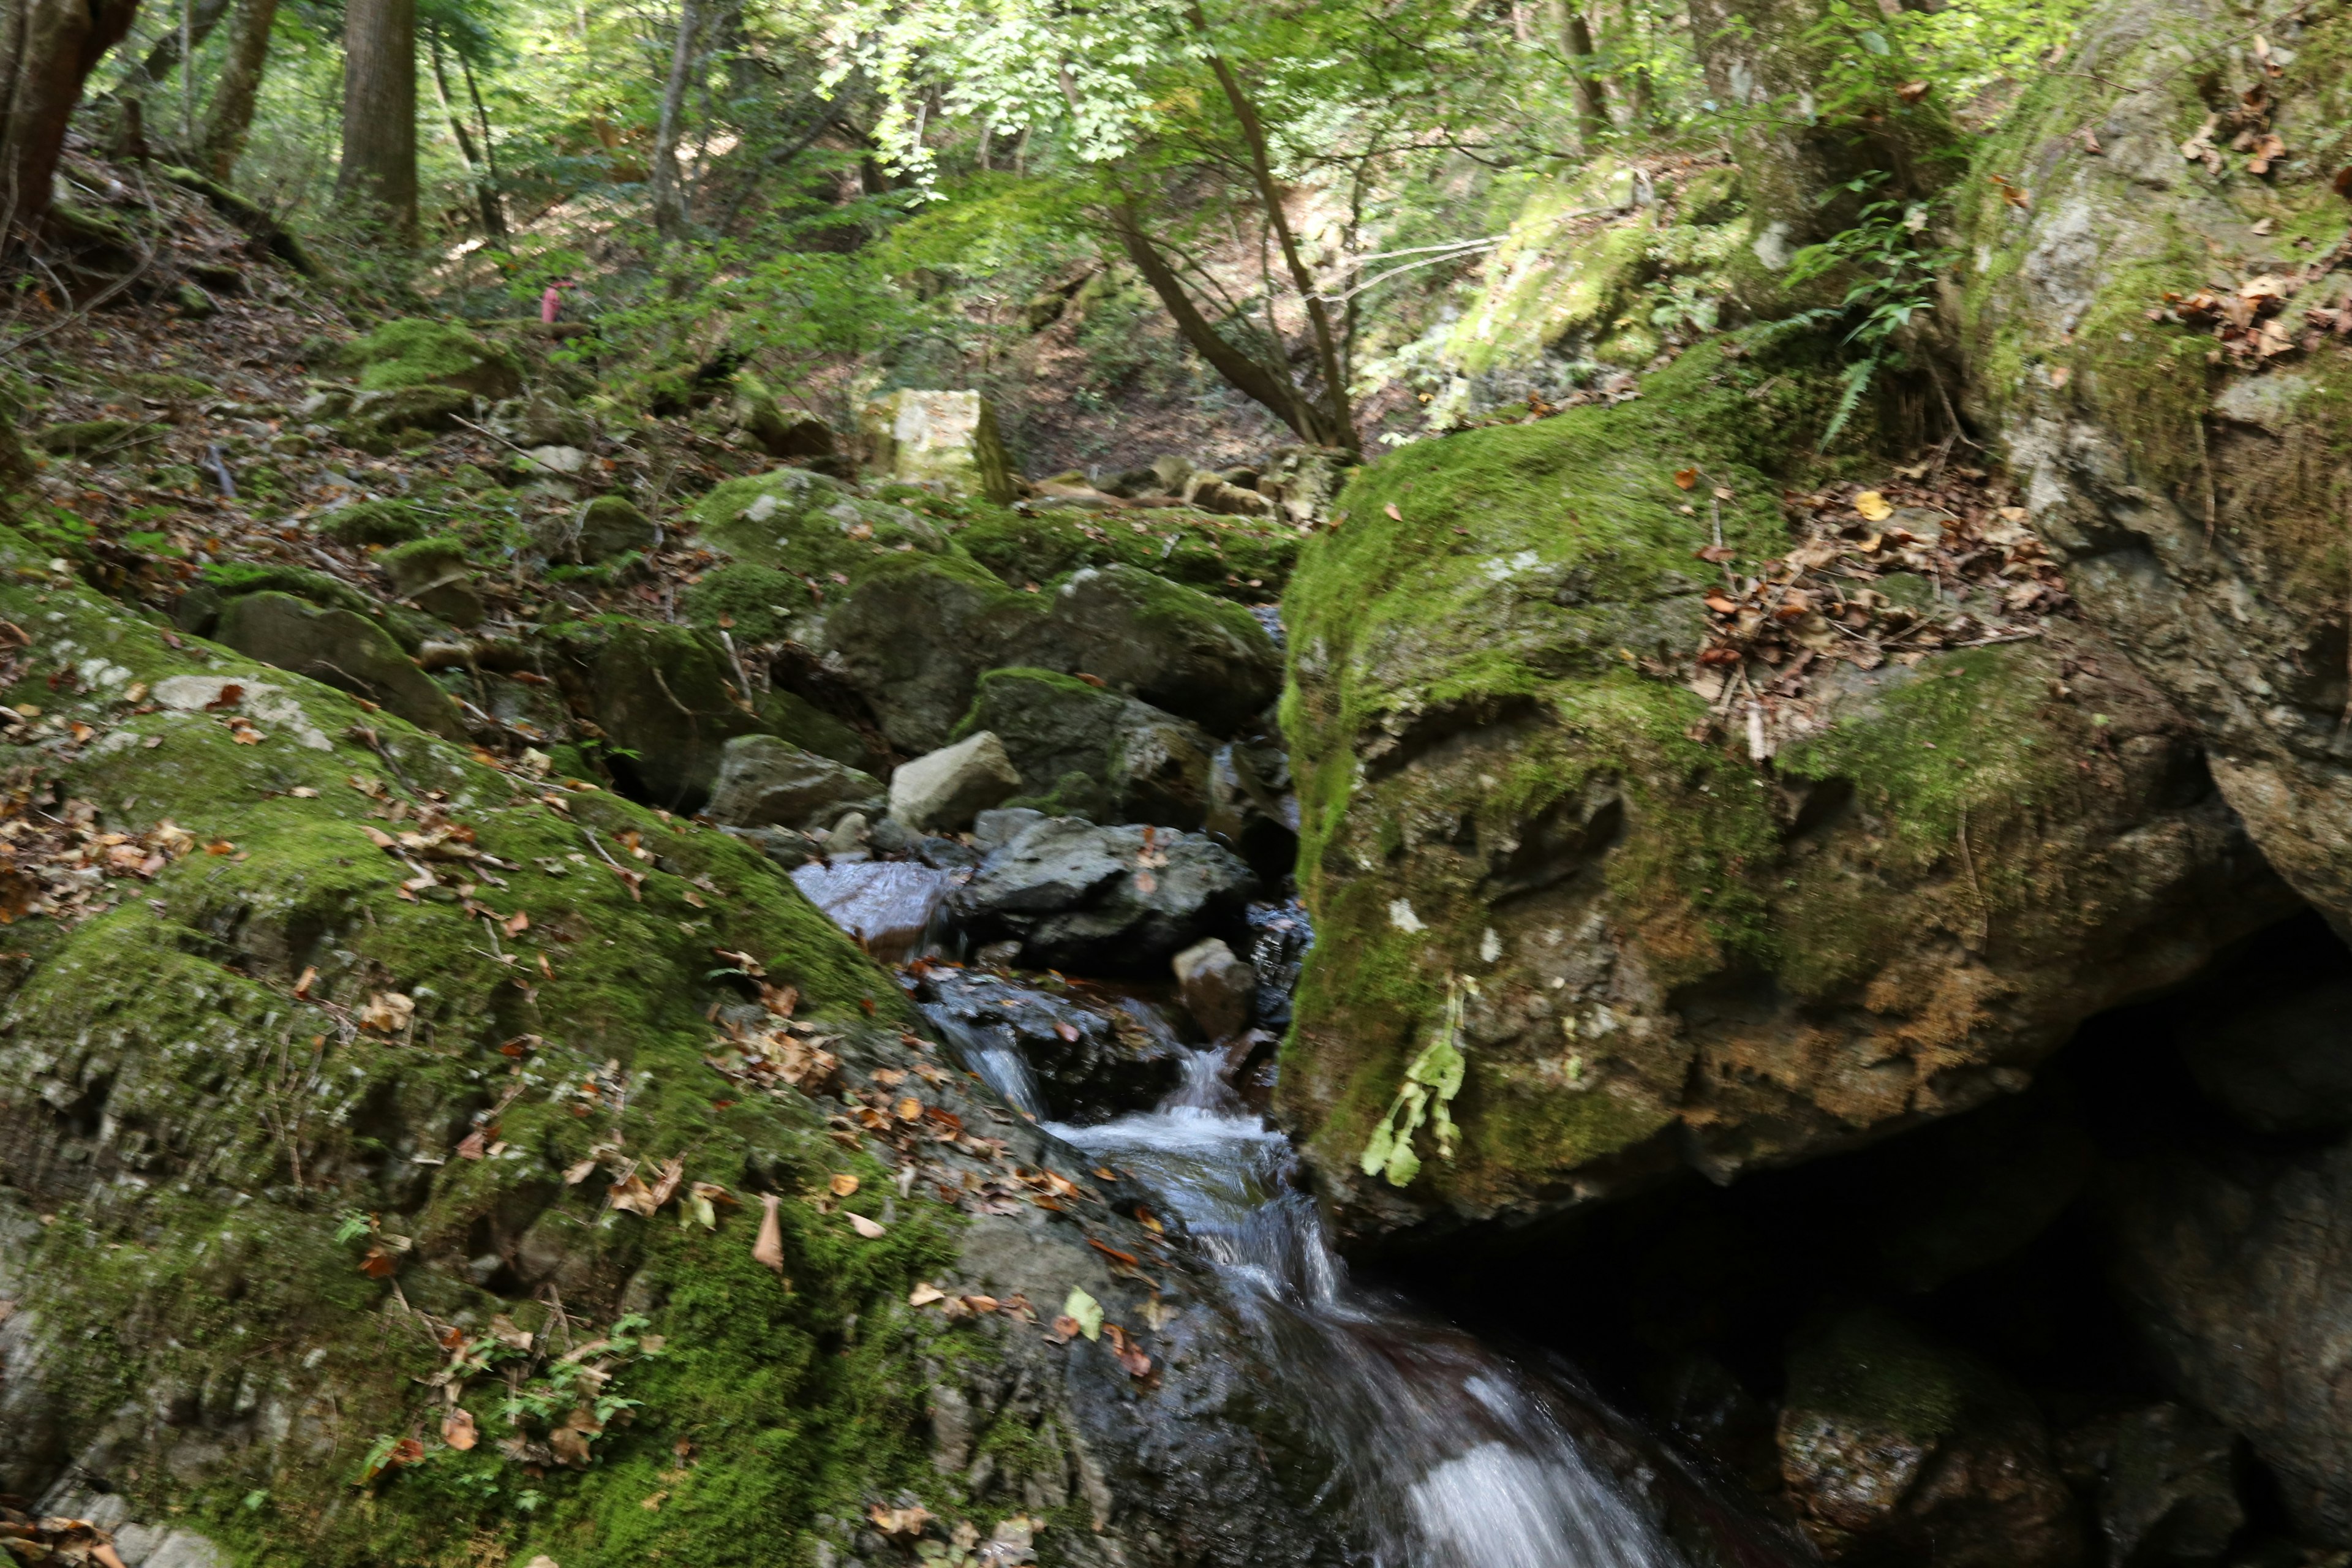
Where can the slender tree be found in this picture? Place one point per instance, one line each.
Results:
(486, 189)
(229, 118)
(47, 50)
(1586, 87)
(379, 169)
(668, 191)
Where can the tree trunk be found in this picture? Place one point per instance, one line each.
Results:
(669, 196)
(47, 50)
(379, 171)
(165, 58)
(489, 147)
(486, 190)
(230, 116)
(1586, 88)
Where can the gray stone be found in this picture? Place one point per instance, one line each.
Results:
(2170, 1496)
(995, 829)
(2279, 1063)
(1153, 766)
(914, 635)
(1090, 1056)
(556, 461)
(1176, 647)
(947, 788)
(664, 694)
(428, 408)
(888, 905)
(1218, 988)
(767, 782)
(609, 526)
(343, 650)
(1093, 900)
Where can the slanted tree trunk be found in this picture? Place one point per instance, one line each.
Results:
(1585, 87)
(379, 171)
(47, 50)
(486, 190)
(669, 193)
(229, 119)
(165, 58)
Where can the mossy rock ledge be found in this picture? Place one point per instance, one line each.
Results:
(1662, 953)
(2198, 491)
(285, 1126)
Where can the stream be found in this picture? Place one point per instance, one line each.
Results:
(1455, 1455)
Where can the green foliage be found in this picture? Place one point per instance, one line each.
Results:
(1891, 267)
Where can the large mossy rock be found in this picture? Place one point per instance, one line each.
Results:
(2192, 471)
(815, 527)
(1657, 951)
(296, 1130)
(1174, 647)
(1153, 766)
(916, 633)
(343, 650)
(413, 352)
(666, 699)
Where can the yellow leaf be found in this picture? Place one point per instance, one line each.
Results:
(1874, 506)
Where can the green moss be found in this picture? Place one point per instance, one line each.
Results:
(231, 578)
(792, 520)
(1219, 556)
(758, 603)
(412, 351)
(374, 522)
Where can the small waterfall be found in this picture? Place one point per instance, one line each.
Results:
(996, 1058)
(1454, 1456)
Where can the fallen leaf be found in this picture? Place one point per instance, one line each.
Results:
(910, 1109)
(519, 924)
(869, 1229)
(1391, 510)
(1874, 506)
(1685, 477)
(924, 1294)
(769, 1247)
(843, 1183)
(1126, 1352)
(901, 1523)
(2059, 376)
(458, 1429)
(1084, 1311)
(1913, 91)
(303, 986)
(473, 1145)
(387, 1012)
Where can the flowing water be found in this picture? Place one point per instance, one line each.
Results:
(1453, 1455)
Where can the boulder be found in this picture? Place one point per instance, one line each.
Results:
(394, 412)
(946, 439)
(2276, 1051)
(1176, 647)
(609, 526)
(665, 697)
(432, 574)
(1895, 1445)
(544, 421)
(2235, 1269)
(1104, 901)
(417, 352)
(365, 522)
(345, 650)
(85, 437)
(552, 463)
(2166, 1488)
(754, 604)
(794, 434)
(200, 606)
(828, 734)
(1153, 766)
(767, 782)
(2181, 464)
(1658, 937)
(888, 906)
(1218, 988)
(1259, 818)
(1089, 1056)
(813, 527)
(913, 638)
(947, 788)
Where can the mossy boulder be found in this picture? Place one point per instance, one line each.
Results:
(400, 411)
(86, 437)
(815, 527)
(2193, 475)
(1176, 647)
(611, 525)
(199, 608)
(341, 649)
(1244, 559)
(1150, 766)
(412, 351)
(753, 604)
(792, 717)
(368, 522)
(666, 699)
(291, 1129)
(1546, 881)
(915, 634)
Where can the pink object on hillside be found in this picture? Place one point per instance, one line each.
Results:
(550, 303)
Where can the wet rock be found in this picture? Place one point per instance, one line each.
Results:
(343, 650)
(943, 438)
(1105, 901)
(1280, 935)
(1891, 1442)
(947, 788)
(415, 353)
(1091, 1057)
(609, 526)
(2166, 1488)
(1538, 831)
(887, 905)
(767, 782)
(2236, 1270)
(1258, 819)
(1218, 988)
(1152, 766)
(663, 695)
(1176, 647)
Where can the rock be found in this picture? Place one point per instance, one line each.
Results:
(1682, 959)
(786, 848)
(393, 413)
(796, 434)
(552, 462)
(1891, 1443)
(1280, 935)
(913, 636)
(2180, 495)
(848, 836)
(995, 829)
(813, 527)
(761, 603)
(2167, 1493)
(85, 437)
(1175, 647)
(199, 608)
(609, 526)
(888, 905)
(543, 421)
(2235, 1269)
(1153, 766)
(372, 522)
(943, 438)
(1218, 988)
(343, 649)
(1306, 481)
(1259, 820)
(663, 695)
(2272, 1050)
(1211, 494)
(947, 788)
(414, 352)
(795, 718)
(1089, 1056)
(767, 782)
(432, 574)
(1105, 901)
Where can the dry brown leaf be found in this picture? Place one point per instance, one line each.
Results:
(843, 1183)
(458, 1429)
(768, 1249)
(870, 1230)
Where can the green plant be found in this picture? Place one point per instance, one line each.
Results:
(1892, 267)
